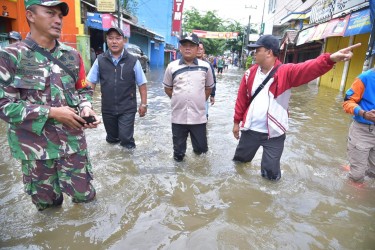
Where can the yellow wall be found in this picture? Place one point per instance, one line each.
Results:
(332, 79)
(359, 55)
(79, 25)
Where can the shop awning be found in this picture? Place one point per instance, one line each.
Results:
(319, 31)
(336, 27)
(94, 20)
(305, 35)
(106, 21)
(289, 38)
(359, 23)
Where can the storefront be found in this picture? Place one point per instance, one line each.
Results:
(345, 29)
(98, 23)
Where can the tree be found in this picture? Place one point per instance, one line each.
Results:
(130, 6)
(235, 45)
(209, 21)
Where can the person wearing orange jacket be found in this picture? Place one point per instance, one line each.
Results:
(360, 102)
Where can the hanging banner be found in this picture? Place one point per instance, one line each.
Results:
(108, 21)
(359, 23)
(215, 35)
(304, 36)
(319, 30)
(178, 6)
(106, 5)
(322, 11)
(342, 5)
(336, 27)
(94, 20)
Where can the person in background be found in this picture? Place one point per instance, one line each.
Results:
(14, 37)
(43, 105)
(265, 121)
(360, 102)
(201, 56)
(119, 74)
(99, 51)
(214, 64)
(226, 63)
(92, 56)
(220, 65)
(188, 82)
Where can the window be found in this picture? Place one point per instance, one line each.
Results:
(271, 6)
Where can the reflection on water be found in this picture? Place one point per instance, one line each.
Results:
(145, 200)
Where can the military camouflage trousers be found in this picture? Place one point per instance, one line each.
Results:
(46, 180)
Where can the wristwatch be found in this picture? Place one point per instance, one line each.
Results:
(144, 105)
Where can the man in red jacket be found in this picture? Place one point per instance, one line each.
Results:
(265, 121)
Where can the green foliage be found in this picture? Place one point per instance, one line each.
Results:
(209, 21)
(249, 61)
(131, 6)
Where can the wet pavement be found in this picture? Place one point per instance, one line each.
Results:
(145, 200)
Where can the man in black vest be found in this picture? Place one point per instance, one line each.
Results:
(119, 73)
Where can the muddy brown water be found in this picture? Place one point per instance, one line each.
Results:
(145, 200)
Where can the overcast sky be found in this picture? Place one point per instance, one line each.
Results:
(238, 10)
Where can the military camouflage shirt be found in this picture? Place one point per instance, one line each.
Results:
(30, 85)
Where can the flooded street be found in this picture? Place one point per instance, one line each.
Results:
(145, 200)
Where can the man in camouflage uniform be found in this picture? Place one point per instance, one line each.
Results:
(38, 100)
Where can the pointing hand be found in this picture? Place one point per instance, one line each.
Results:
(344, 54)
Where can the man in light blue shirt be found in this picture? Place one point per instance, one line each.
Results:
(118, 73)
(93, 75)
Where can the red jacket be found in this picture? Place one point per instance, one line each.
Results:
(287, 76)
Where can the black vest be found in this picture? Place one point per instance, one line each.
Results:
(117, 83)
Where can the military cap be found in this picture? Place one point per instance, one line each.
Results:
(63, 6)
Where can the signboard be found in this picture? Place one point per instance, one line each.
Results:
(304, 36)
(178, 6)
(215, 35)
(336, 27)
(106, 5)
(359, 23)
(342, 5)
(319, 30)
(94, 20)
(322, 11)
(110, 21)
(104, 22)
(8, 9)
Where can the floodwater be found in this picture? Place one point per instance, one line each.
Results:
(145, 200)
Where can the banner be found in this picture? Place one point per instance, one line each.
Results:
(215, 35)
(94, 20)
(106, 5)
(319, 31)
(336, 27)
(104, 22)
(178, 6)
(110, 21)
(344, 5)
(359, 23)
(304, 36)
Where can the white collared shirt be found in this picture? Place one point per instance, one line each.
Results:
(259, 106)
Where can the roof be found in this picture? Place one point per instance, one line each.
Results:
(288, 38)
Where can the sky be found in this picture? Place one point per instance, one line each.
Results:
(238, 10)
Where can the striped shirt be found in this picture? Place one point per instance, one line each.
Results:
(189, 83)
